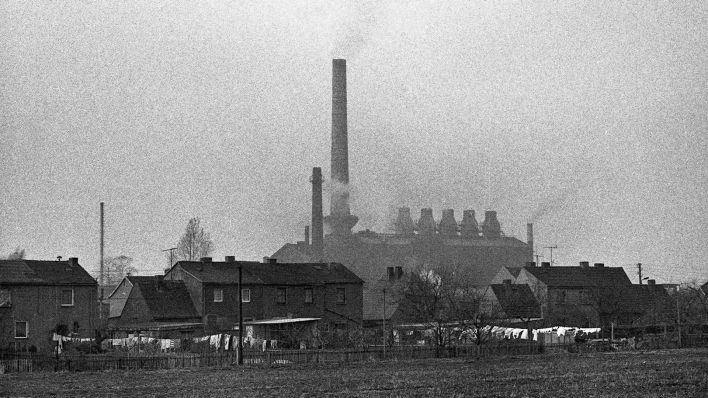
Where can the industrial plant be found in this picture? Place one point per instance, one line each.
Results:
(378, 257)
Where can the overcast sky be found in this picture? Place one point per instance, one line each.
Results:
(588, 119)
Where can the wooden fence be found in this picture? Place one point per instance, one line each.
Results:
(32, 362)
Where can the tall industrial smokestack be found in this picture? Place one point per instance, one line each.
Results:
(317, 223)
(340, 219)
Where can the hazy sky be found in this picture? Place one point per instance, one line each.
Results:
(588, 119)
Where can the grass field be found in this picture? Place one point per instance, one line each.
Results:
(666, 373)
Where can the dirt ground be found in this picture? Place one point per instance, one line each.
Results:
(672, 373)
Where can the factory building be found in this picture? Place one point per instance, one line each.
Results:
(374, 256)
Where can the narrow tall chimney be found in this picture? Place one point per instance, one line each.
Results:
(317, 223)
(307, 234)
(340, 219)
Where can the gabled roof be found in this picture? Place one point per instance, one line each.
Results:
(255, 273)
(37, 272)
(517, 301)
(165, 299)
(580, 276)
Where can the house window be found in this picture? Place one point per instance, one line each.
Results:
(280, 295)
(218, 295)
(5, 299)
(67, 297)
(21, 329)
(245, 295)
(308, 295)
(341, 296)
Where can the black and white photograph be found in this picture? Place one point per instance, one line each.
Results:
(463, 198)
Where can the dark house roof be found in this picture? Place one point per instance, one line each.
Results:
(37, 272)
(580, 276)
(165, 299)
(517, 301)
(255, 273)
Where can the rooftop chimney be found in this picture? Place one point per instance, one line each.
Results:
(469, 227)
(490, 226)
(390, 273)
(73, 261)
(448, 224)
(530, 264)
(230, 259)
(340, 219)
(317, 221)
(426, 223)
(506, 282)
(545, 264)
(404, 222)
(205, 259)
(584, 264)
(272, 261)
(399, 272)
(651, 282)
(599, 265)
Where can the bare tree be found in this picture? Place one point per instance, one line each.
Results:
(195, 243)
(116, 268)
(445, 300)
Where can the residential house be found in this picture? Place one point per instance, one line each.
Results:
(40, 298)
(326, 292)
(151, 304)
(583, 295)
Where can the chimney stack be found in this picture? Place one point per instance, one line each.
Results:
(584, 264)
(448, 224)
(230, 259)
(545, 264)
(529, 237)
(317, 221)
(469, 227)
(599, 265)
(404, 222)
(490, 226)
(205, 259)
(340, 219)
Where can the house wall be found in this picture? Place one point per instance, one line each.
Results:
(226, 312)
(41, 307)
(351, 311)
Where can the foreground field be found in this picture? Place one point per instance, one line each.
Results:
(673, 373)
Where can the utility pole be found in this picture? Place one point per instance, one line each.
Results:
(678, 319)
(171, 250)
(101, 271)
(240, 315)
(383, 318)
(639, 271)
(551, 249)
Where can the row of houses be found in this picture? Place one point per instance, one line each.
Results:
(296, 304)
(286, 302)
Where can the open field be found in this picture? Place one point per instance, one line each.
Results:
(673, 373)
